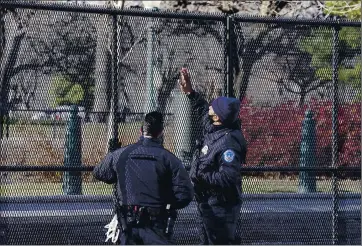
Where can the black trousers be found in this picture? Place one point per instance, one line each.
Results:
(217, 224)
(146, 235)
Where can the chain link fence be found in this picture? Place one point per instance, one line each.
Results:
(300, 86)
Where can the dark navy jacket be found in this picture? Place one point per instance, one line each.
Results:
(146, 175)
(221, 153)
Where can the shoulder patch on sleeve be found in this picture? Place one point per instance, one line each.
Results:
(228, 155)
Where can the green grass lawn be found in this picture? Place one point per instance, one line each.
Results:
(250, 186)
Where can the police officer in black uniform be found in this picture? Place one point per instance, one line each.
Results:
(151, 185)
(215, 169)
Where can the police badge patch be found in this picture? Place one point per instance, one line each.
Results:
(205, 149)
(228, 156)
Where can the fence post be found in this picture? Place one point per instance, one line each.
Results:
(72, 181)
(307, 180)
(229, 56)
(335, 59)
(113, 141)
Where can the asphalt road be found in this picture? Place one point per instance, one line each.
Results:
(278, 219)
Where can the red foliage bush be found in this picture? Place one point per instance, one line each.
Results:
(274, 133)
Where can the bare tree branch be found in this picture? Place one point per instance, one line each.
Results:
(138, 41)
(29, 66)
(318, 85)
(300, 74)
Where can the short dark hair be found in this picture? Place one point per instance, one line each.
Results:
(153, 124)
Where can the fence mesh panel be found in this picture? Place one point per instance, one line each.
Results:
(282, 72)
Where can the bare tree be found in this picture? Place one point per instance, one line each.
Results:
(23, 92)
(169, 76)
(254, 41)
(67, 47)
(263, 40)
(175, 52)
(300, 77)
(62, 50)
(9, 61)
(130, 41)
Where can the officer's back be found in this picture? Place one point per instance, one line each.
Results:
(148, 178)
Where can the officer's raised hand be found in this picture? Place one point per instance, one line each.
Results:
(185, 82)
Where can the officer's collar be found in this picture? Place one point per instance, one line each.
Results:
(218, 132)
(216, 128)
(152, 141)
(236, 125)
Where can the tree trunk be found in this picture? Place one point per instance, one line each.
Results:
(245, 77)
(2, 48)
(2, 34)
(303, 94)
(6, 75)
(168, 84)
(102, 95)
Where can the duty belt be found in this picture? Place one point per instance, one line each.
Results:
(147, 216)
(140, 214)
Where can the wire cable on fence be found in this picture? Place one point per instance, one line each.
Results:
(243, 169)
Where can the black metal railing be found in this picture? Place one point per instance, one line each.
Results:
(244, 170)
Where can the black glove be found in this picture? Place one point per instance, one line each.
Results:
(195, 166)
(193, 172)
(199, 187)
(202, 176)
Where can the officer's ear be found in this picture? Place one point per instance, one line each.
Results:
(141, 130)
(216, 118)
(160, 134)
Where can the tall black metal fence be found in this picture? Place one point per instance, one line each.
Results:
(300, 86)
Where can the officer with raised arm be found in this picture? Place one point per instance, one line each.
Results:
(215, 169)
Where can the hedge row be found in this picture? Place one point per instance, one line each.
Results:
(274, 133)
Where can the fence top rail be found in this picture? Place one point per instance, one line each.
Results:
(60, 168)
(94, 9)
(99, 9)
(295, 21)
